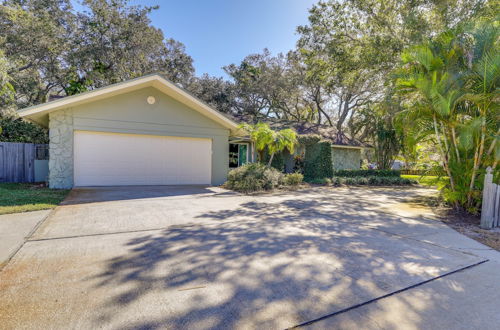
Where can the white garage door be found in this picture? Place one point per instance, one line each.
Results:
(111, 159)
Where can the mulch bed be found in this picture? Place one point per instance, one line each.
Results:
(468, 225)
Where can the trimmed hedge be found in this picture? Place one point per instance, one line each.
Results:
(318, 161)
(366, 173)
(373, 181)
(364, 181)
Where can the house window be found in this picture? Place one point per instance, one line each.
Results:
(238, 154)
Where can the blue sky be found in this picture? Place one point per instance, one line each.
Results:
(221, 32)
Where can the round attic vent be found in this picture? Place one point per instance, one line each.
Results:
(151, 99)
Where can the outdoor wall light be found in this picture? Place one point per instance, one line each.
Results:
(151, 99)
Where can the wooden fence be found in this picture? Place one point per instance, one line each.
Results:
(21, 162)
(490, 212)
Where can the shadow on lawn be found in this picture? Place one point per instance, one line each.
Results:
(274, 265)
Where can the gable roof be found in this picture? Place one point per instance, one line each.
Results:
(39, 113)
(326, 132)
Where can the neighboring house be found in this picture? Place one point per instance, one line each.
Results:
(148, 131)
(145, 131)
(398, 165)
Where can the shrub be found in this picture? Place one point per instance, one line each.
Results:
(366, 173)
(19, 130)
(298, 161)
(254, 177)
(318, 161)
(308, 139)
(336, 181)
(320, 181)
(350, 181)
(373, 181)
(293, 179)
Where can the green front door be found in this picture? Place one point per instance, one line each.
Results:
(242, 153)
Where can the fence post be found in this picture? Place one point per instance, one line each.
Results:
(488, 196)
(496, 204)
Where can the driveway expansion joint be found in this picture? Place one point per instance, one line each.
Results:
(26, 238)
(386, 295)
(459, 250)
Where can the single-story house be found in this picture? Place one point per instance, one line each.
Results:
(144, 131)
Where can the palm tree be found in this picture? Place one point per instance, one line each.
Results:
(451, 84)
(482, 82)
(429, 78)
(274, 141)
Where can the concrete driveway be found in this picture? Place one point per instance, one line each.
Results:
(195, 257)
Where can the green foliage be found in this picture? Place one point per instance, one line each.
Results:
(318, 161)
(308, 139)
(364, 181)
(215, 91)
(24, 197)
(254, 177)
(366, 173)
(298, 163)
(451, 88)
(373, 181)
(278, 162)
(293, 179)
(19, 130)
(6, 88)
(325, 181)
(265, 139)
(51, 49)
(429, 180)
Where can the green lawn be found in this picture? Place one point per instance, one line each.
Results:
(23, 197)
(428, 180)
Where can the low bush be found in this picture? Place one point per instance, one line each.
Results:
(366, 173)
(293, 179)
(373, 181)
(253, 177)
(364, 181)
(326, 181)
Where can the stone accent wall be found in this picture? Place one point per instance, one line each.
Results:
(61, 149)
(345, 158)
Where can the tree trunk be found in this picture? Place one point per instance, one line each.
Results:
(443, 155)
(270, 160)
(455, 144)
(261, 156)
(477, 160)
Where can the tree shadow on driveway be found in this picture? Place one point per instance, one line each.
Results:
(267, 265)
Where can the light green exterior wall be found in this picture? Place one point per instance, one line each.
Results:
(41, 170)
(130, 113)
(346, 158)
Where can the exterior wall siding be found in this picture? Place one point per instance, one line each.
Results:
(130, 113)
(346, 158)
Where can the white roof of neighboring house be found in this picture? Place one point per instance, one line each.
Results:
(39, 113)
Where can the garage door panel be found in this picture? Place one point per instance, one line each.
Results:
(128, 159)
